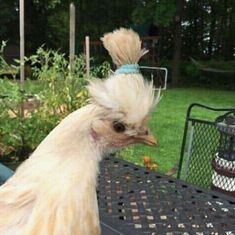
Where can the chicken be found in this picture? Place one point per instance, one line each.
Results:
(54, 191)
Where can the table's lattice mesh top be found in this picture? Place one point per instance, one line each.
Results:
(149, 203)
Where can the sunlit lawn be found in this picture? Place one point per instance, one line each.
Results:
(168, 123)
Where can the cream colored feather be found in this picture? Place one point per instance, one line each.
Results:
(123, 95)
(54, 191)
(124, 46)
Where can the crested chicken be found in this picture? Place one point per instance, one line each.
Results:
(54, 191)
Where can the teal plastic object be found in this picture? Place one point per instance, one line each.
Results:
(5, 173)
(127, 69)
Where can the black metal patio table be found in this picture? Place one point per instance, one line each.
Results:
(135, 201)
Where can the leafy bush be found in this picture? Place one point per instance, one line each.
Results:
(54, 94)
(189, 69)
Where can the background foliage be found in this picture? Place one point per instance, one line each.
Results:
(207, 25)
(187, 28)
(54, 94)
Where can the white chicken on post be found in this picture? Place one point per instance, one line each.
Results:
(54, 191)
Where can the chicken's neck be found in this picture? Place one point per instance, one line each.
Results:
(71, 149)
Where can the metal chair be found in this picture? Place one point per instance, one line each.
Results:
(200, 145)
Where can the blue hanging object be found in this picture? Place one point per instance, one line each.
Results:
(127, 69)
(5, 173)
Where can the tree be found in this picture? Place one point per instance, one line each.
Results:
(177, 43)
(227, 28)
(202, 29)
(9, 29)
(164, 14)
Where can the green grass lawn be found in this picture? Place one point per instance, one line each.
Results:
(167, 123)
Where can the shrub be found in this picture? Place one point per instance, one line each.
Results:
(54, 94)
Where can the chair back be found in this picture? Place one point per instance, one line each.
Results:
(200, 144)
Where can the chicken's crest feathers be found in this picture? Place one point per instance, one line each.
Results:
(127, 97)
(124, 46)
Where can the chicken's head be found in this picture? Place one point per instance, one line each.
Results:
(125, 103)
(125, 98)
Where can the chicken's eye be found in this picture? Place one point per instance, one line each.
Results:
(119, 127)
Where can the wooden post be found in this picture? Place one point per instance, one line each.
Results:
(22, 44)
(72, 37)
(87, 56)
(22, 50)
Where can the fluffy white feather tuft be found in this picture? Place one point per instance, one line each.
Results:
(124, 46)
(128, 96)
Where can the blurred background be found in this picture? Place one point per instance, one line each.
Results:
(176, 31)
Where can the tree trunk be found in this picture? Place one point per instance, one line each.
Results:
(232, 33)
(177, 43)
(230, 36)
(225, 31)
(212, 31)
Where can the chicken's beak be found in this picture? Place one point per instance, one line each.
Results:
(146, 139)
